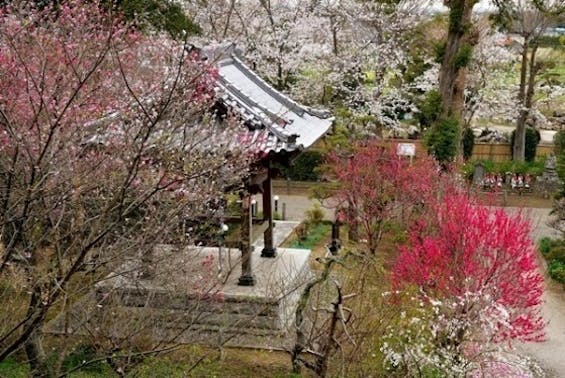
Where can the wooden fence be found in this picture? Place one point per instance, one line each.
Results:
(502, 152)
(497, 152)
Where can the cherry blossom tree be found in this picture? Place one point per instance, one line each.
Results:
(421, 338)
(104, 152)
(331, 53)
(475, 271)
(529, 19)
(488, 94)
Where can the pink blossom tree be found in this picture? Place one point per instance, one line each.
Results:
(105, 150)
(476, 273)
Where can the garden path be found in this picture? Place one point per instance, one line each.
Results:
(551, 352)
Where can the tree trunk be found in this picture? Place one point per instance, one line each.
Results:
(518, 150)
(353, 231)
(333, 26)
(323, 362)
(528, 71)
(452, 76)
(301, 343)
(534, 68)
(33, 348)
(461, 38)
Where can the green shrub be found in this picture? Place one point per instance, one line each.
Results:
(161, 15)
(556, 252)
(439, 50)
(302, 232)
(549, 41)
(463, 56)
(545, 244)
(430, 108)
(533, 138)
(557, 271)
(559, 142)
(559, 148)
(442, 140)
(553, 250)
(467, 142)
(304, 168)
(315, 215)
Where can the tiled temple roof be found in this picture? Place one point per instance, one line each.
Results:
(275, 122)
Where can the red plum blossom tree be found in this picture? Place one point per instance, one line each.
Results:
(476, 274)
(377, 185)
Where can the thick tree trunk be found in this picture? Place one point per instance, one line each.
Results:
(461, 38)
(528, 71)
(518, 150)
(452, 76)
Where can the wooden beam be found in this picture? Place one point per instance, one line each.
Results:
(269, 249)
(246, 278)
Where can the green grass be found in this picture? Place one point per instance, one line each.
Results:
(165, 367)
(315, 236)
(553, 250)
(13, 369)
(557, 271)
(188, 361)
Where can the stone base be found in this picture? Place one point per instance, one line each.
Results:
(187, 301)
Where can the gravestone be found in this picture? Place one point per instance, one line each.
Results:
(478, 174)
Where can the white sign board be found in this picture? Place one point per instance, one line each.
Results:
(406, 149)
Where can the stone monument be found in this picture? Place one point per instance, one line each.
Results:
(478, 174)
(549, 181)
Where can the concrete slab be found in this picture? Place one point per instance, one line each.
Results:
(193, 296)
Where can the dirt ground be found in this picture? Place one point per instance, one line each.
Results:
(515, 200)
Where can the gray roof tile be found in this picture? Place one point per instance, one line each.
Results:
(279, 122)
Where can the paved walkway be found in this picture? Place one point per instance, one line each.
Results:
(550, 353)
(281, 231)
(295, 206)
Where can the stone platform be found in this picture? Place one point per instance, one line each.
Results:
(188, 299)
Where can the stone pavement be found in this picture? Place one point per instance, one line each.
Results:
(281, 231)
(296, 206)
(550, 353)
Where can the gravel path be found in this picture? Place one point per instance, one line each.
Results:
(550, 353)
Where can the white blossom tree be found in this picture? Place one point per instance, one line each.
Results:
(329, 52)
(529, 19)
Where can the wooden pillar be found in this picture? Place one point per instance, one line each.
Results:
(269, 249)
(246, 278)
